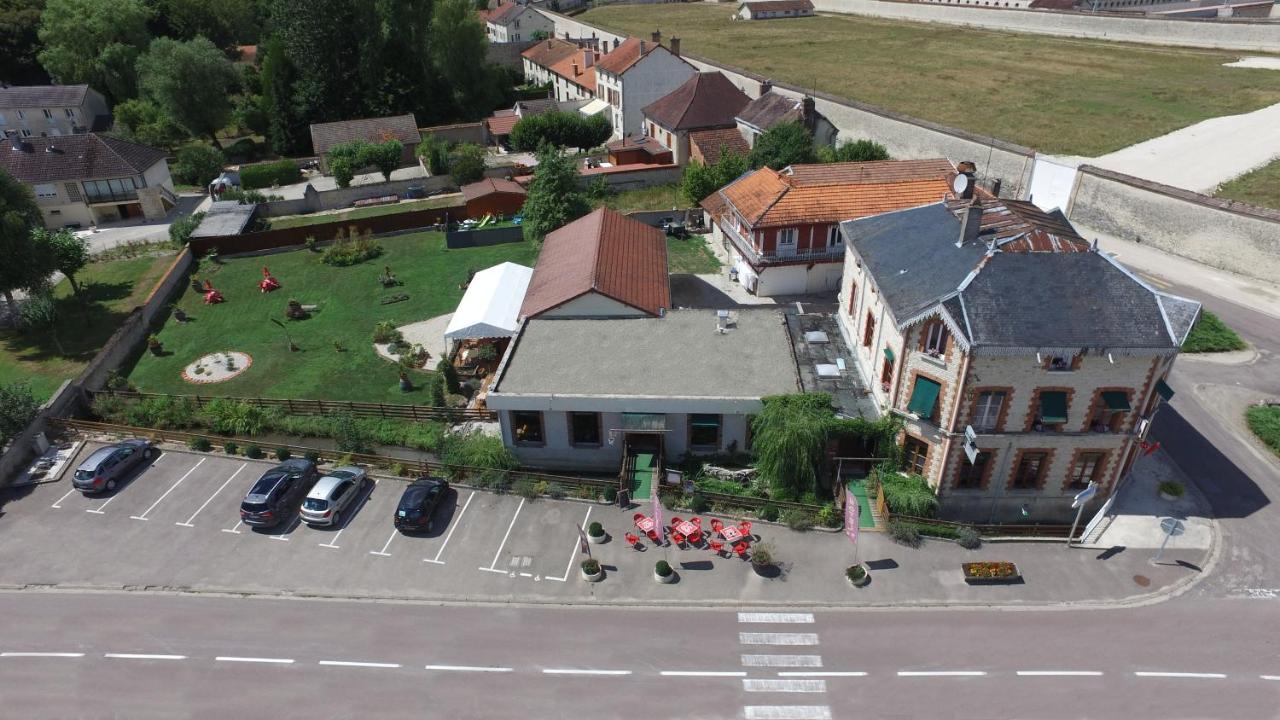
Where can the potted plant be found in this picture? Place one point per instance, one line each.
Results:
(988, 573)
(595, 533)
(858, 575)
(762, 559)
(1171, 491)
(591, 570)
(663, 573)
(154, 345)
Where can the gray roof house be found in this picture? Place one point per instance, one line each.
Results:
(375, 130)
(28, 111)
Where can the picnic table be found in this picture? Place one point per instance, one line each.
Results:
(685, 528)
(731, 533)
(646, 525)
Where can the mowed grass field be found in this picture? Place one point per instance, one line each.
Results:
(1260, 187)
(349, 307)
(1057, 95)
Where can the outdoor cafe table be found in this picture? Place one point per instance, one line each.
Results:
(685, 528)
(646, 525)
(731, 533)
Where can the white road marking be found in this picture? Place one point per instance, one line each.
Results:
(333, 542)
(383, 552)
(941, 673)
(172, 487)
(136, 656)
(58, 504)
(494, 570)
(98, 510)
(834, 673)
(576, 549)
(1270, 677)
(701, 673)
(747, 638)
(1059, 673)
(749, 617)
(350, 663)
(449, 535)
(275, 661)
(284, 536)
(784, 685)
(235, 530)
(211, 497)
(41, 654)
(787, 712)
(469, 668)
(579, 671)
(1211, 676)
(493, 565)
(782, 660)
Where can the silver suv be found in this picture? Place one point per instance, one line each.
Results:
(332, 495)
(108, 466)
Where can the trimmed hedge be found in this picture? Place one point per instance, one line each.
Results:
(280, 172)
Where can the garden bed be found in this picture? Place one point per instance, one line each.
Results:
(990, 573)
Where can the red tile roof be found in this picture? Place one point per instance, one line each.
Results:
(549, 52)
(708, 143)
(75, 157)
(399, 127)
(626, 55)
(501, 14)
(585, 77)
(501, 122)
(603, 252)
(706, 100)
(491, 186)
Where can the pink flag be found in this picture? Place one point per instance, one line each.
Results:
(658, 526)
(852, 514)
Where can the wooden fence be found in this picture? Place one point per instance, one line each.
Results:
(325, 407)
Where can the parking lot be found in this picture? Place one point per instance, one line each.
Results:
(175, 524)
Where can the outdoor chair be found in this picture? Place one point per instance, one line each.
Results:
(695, 537)
(637, 518)
(675, 520)
(677, 538)
(740, 549)
(745, 527)
(633, 540)
(653, 535)
(716, 525)
(696, 521)
(717, 547)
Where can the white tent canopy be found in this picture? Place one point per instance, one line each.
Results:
(594, 107)
(491, 305)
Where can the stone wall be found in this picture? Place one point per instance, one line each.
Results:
(317, 200)
(22, 450)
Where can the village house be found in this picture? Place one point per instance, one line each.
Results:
(708, 101)
(772, 108)
(51, 110)
(568, 66)
(1024, 363)
(772, 9)
(374, 130)
(514, 21)
(499, 125)
(635, 74)
(83, 180)
(781, 228)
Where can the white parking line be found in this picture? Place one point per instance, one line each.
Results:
(579, 671)
(748, 638)
(835, 673)
(98, 510)
(135, 656)
(784, 685)
(333, 541)
(1059, 673)
(787, 712)
(941, 673)
(211, 497)
(468, 668)
(172, 487)
(235, 530)
(1210, 676)
(493, 565)
(58, 504)
(284, 535)
(274, 661)
(349, 663)
(750, 617)
(782, 660)
(454, 526)
(41, 654)
(576, 549)
(701, 673)
(384, 552)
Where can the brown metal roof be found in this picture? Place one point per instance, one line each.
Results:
(491, 186)
(75, 157)
(42, 96)
(1019, 226)
(396, 127)
(603, 252)
(637, 142)
(710, 142)
(706, 100)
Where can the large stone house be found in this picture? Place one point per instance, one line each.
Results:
(635, 74)
(705, 102)
(515, 21)
(32, 111)
(773, 9)
(83, 180)
(991, 324)
(569, 67)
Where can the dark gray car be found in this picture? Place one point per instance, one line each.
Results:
(108, 466)
(276, 495)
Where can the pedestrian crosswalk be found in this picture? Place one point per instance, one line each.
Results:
(786, 683)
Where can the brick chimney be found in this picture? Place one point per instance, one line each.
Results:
(675, 46)
(765, 86)
(576, 70)
(642, 48)
(656, 37)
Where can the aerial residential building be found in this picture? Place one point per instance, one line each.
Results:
(993, 319)
(569, 67)
(83, 180)
(772, 108)
(781, 228)
(707, 101)
(772, 9)
(514, 21)
(635, 74)
(374, 130)
(502, 122)
(34, 111)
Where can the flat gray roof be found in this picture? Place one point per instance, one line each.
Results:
(680, 355)
(225, 217)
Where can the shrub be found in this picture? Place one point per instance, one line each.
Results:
(699, 503)
(434, 152)
(525, 488)
(591, 566)
(662, 568)
(904, 533)
(466, 163)
(909, 495)
(1169, 487)
(829, 516)
(595, 529)
(253, 452)
(280, 172)
(762, 554)
(198, 164)
(312, 455)
(283, 454)
(599, 189)
(797, 519)
(768, 513)
(435, 390)
(1210, 334)
(181, 229)
(199, 444)
(855, 572)
(968, 538)
(235, 417)
(542, 488)
(230, 447)
(481, 457)
(1264, 421)
(348, 435)
(386, 332)
(610, 494)
(347, 250)
(450, 375)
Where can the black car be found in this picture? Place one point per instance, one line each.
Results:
(419, 502)
(278, 493)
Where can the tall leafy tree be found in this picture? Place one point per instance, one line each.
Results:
(225, 23)
(321, 39)
(459, 51)
(783, 145)
(191, 82)
(286, 127)
(23, 265)
(96, 42)
(65, 251)
(396, 70)
(789, 436)
(18, 407)
(700, 180)
(143, 121)
(19, 20)
(853, 151)
(555, 196)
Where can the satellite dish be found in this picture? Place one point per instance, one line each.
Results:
(960, 184)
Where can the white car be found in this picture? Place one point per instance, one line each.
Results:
(332, 495)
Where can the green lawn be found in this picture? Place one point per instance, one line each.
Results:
(658, 197)
(314, 219)
(1210, 335)
(1264, 421)
(110, 290)
(1260, 187)
(348, 300)
(1061, 95)
(690, 256)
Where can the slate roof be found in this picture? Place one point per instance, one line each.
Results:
(705, 100)
(605, 252)
(771, 109)
(75, 157)
(42, 96)
(399, 127)
(491, 186)
(625, 55)
(710, 142)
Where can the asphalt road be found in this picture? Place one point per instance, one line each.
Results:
(144, 656)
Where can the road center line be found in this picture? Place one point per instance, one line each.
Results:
(468, 668)
(751, 617)
(351, 663)
(1209, 676)
(136, 656)
(581, 671)
(574, 554)
(449, 535)
(275, 661)
(493, 565)
(172, 487)
(41, 654)
(823, 674)
(211, 497)
(749, 638)
(701, 673)
(58, 504)
(941, 673)
(1059, 673)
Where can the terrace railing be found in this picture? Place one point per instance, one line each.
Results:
(326, 407)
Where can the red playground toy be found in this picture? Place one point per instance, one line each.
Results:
(268, 282)
(211, 296)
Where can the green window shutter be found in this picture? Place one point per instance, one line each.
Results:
(888, 353)
(1116, 401)
(923, 397)
(1163, 390)
(1053, 407)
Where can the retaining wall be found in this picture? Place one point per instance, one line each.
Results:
(23, 450)
(324, 232)
(642, 177)
(317, 200)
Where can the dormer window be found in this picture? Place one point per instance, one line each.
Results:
(1061, 363)
(935, 338)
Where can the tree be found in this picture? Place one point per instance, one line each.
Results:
(23, 267)
(482, 5)
(700, 180)
(459, 51)
(286, 128)
(66, 252)
(198, 164)
(18, 407)
(434, 152)
(853, 151)
(191, 82)
(180, 230)
(225, 23)
(385, 156)
(782, 145)
(466, 163)
(344, 159)
(95, 42)
(560, 129)
(554, 198)
(19, 20)
(789, 437)
(143, 121)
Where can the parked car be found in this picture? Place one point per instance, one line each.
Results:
(418, 504)
(332, 495)
(277, 493)
(108, 466)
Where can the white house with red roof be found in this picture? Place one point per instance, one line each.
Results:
(636, 74)
(513, 22)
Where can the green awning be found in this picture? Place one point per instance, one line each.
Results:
(1163, 390)
(1116, 400)
(923, 397)
(1053, 407)
(888, 353)
(644, 422)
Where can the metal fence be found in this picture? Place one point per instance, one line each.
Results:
(325, 407)
(1028, 530)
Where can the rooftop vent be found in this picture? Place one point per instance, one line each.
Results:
(816, 337)
(725, 321)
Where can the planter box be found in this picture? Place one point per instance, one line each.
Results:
(990, 573)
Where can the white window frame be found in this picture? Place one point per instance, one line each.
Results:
(48, 114)
(986, 415)
(70, 112)
(834, 238)
(787, 239)
(45, 191)
(935, 342)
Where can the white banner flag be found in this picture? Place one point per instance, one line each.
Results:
(658, 526)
